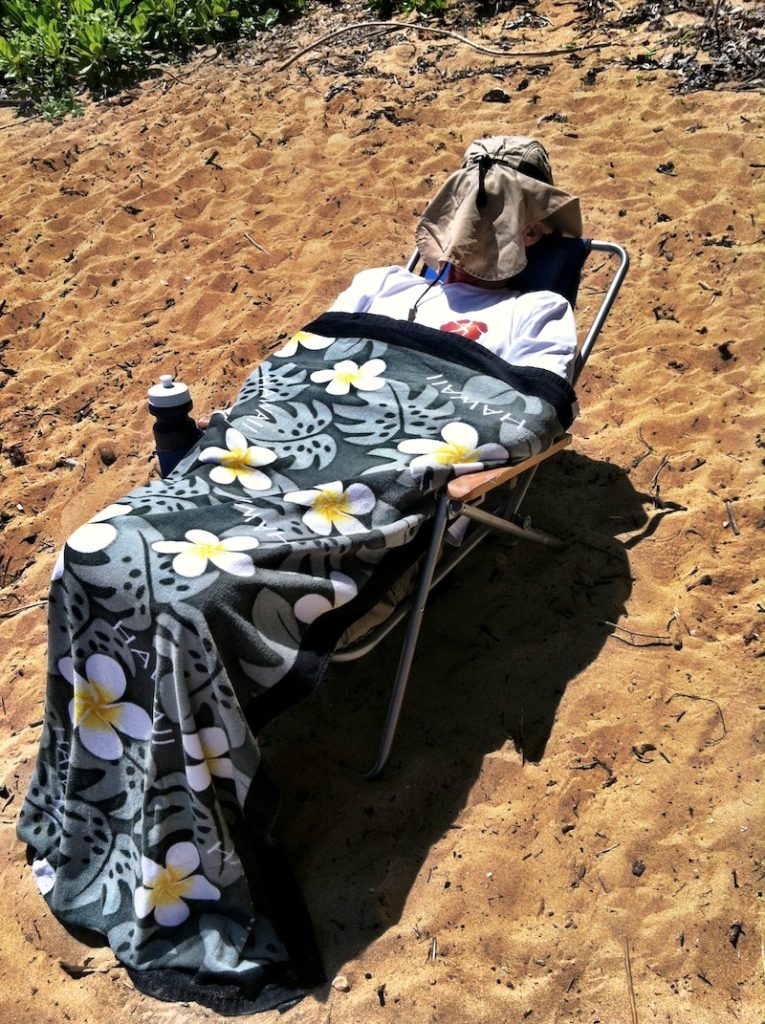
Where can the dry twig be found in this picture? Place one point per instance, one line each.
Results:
(648, 450)
(655, 489)
(23, 608)
(257, 245)
(654, 640)
(393, 25)
(630, 985)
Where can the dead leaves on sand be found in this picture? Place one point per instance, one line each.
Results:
(707, 45)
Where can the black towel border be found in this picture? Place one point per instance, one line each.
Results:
(530, 380)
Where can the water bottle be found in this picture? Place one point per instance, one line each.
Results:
(175, 432)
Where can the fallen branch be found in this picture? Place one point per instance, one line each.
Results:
(23, 120)
(390, 26)
(655, 488)
(595, 763)
(648, 451)
(630, 985)
(165, 72)
(257, 245)
(634, 632)
(24, 608)
(602, 853)
(655, 640)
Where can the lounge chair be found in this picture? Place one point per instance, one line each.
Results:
(554, 264)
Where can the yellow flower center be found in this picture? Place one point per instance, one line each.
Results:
(454, 454)
(348, 377)
(235, 459)
(332, 506)
(171, 886)
(94, 706)
(208, 550)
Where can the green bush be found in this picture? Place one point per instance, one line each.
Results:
(390, 8)
(50, 50)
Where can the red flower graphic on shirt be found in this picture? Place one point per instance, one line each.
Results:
(472, 329)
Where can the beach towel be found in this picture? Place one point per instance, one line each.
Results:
(185, 616)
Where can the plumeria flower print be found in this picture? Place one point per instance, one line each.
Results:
(201, 547)
(209, 747)
(347, 374)
(458, 448)
(96, 710)
(311, 606)
(471, 329)
(332, 506)
(166, 888)
(304, 338)
(95, 535)
(239, 461)
(44, 875)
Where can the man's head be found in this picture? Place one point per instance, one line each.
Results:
(500, 201)
(530, 234)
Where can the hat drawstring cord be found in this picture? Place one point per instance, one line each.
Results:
(413, 311)
(484, 163)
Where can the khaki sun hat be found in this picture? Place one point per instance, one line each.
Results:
(476, 220)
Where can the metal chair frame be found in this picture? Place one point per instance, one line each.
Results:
(457, 500)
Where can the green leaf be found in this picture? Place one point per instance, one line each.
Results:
(53, 46)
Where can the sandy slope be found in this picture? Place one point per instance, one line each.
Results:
(494, 875)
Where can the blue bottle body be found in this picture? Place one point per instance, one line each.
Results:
(175, 432)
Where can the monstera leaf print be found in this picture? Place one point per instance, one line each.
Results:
(117, 580)
(297, 433)
(272, 383)
(175, 494)
(526, 419)
(68, 598)
(114, 859)
(358, 349)
(228, 946)
(168, 806)
(269, 660)
(183, 637)
(490, 391)
(381, 415)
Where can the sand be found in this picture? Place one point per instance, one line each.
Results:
(570, 829)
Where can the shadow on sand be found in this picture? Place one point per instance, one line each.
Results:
(499, 645)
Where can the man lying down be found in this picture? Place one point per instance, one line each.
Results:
(185, 616)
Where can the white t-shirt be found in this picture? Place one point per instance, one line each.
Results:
(533, 329)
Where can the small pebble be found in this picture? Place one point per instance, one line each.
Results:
(341, 983)
(106, 452)
(496, 96)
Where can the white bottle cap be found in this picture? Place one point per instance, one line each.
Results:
(168, 392)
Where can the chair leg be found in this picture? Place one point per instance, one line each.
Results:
(410, 640)
(514, 528)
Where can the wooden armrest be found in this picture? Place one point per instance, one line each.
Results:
(473, 485)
